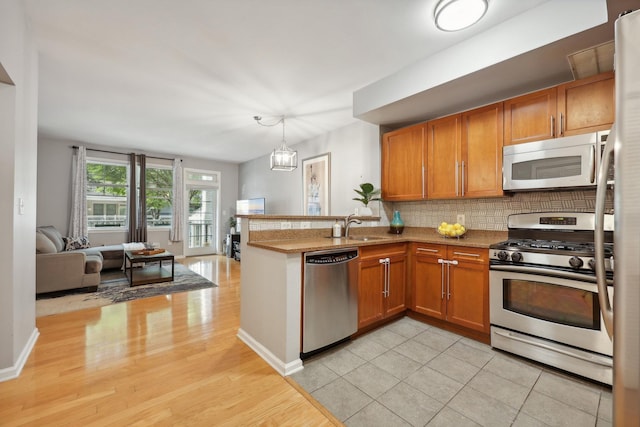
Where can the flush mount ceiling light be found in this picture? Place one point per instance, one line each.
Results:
(454, 15)
(283, 158)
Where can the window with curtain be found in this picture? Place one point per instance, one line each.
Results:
(159, 195)
(107, 192)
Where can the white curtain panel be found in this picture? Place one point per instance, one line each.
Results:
(78, 218)
(177, 223)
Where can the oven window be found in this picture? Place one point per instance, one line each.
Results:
(554, 303)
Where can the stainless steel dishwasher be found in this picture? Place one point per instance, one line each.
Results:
(330, 300)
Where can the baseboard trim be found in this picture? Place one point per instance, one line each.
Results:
(281, 367)
(14, 371)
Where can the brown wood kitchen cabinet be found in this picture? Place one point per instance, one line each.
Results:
(577, 107)
(586, 105)
(402, 153)
(451, 283)
(464, 154)
(381, 282)
(530, 117)
(443, 157)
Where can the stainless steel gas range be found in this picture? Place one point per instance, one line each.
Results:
(543, 293)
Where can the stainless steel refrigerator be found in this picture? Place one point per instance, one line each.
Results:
(622, 317)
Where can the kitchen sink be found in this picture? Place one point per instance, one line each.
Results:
(366, 238)
(361, 238)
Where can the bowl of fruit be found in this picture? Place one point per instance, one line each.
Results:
(451, 230)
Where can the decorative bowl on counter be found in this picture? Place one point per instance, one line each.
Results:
(451, 231)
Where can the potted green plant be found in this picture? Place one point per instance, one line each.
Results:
(232, 225)
(368, 193)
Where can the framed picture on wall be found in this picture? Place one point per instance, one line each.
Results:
(316, 186)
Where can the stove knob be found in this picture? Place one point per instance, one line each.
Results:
(516, 257)
(575, 262)
(592, 264)
(503, 255)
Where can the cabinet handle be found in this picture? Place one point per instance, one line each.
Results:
(442, 263)
(463, 178)
(386, 278)
(465, 254)
(456, 178)
(423, 191)
(448, 284)
(427, 250)
(553, 125)
(561, 124)
(387, 264)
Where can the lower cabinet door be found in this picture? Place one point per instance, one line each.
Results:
(428, 281)
(468, 305)
(371, 286)
(395, 300)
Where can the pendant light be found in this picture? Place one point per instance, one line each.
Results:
(283, 158)
(454, 15)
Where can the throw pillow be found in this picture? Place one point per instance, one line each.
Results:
(73, 243)
(44, 245)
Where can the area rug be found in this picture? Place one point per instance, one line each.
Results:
(114, 287)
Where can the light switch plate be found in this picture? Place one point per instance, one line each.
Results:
(460, 219)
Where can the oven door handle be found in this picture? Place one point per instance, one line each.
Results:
(555, 273)
(557, 350)
(601, 192)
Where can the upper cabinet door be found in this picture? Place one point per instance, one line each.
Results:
(530, 117)
(586, 105)
(481, 171)
(402, 172)
(444, 158)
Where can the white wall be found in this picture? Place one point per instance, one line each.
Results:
(355, 158)
(54, 190)
(18, 129)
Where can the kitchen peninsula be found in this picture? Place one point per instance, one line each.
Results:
(272, 266)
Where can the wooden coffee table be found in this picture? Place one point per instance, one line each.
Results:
(147, 274)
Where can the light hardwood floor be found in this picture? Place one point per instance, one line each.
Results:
(168, 360)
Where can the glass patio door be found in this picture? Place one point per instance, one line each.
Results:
(201, 216)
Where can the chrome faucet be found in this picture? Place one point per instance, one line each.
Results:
(347, 224)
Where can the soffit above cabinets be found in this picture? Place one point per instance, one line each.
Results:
(526, 53)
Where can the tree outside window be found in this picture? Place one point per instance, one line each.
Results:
(159, 196)
(107, 189)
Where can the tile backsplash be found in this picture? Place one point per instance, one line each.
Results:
(480, 214)
(492, 213)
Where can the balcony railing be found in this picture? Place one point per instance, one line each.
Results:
(120, 221)
(200, 233)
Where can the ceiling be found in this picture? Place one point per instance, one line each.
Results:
(187, 77)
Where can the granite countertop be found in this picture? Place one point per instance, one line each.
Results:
(473, 238)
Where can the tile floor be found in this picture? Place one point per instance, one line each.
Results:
(412, 374)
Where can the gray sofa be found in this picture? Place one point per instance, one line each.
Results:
(58, 269)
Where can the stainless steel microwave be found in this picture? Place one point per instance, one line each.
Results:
(568, 162)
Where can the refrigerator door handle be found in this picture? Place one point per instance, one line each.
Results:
(601, 192)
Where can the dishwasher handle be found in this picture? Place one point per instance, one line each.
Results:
(331, 256)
